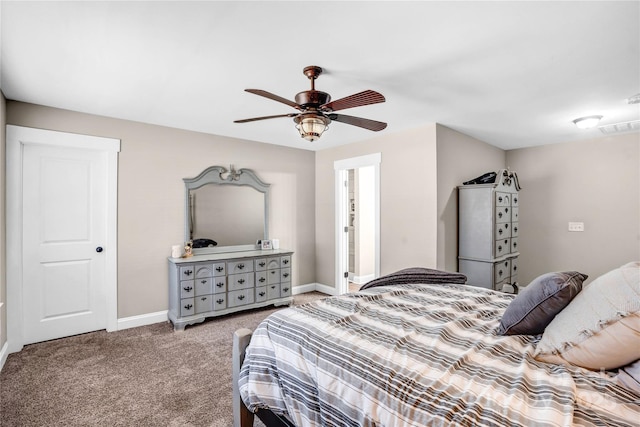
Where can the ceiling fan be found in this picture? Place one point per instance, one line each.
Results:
(316, 110)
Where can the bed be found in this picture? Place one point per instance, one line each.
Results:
(414, 354)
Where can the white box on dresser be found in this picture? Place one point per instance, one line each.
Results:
(488, 231)
(216, 284)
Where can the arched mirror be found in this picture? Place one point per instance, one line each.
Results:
(226, 210)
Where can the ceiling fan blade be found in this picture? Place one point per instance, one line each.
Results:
(274, 97)
(358, 121)
(356, 100)
(265, 118)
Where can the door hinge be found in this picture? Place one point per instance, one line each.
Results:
(346, 274)
(346, 229)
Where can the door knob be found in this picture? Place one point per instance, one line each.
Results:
(99, 249)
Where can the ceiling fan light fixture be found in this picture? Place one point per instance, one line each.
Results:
(311, 126)
(587, 122)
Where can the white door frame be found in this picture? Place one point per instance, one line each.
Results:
(341, 194)
(16, 138)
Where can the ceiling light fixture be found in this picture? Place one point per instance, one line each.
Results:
(311, 125)
(587, 122)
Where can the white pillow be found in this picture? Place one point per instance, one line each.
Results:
(600, 328)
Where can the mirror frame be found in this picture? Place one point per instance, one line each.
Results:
(214, 175)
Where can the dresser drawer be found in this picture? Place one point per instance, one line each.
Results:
(503, 214)
(273, 276)
(187, 307)
(205, 270)
(503, 247)
(240, 281)
(219, 301)
(204, 286)
(285, 290)
(514, 229)
(285, 261)
(502, 271)
(219, 285)
(503, 230)
(273, 291)
(187, 272)
(273, 262)
(514, 245)
(261, 293)
(242, 266)
(514, 199)
(503, 199)
(240, 297)
(514, 266)
(261, 264)
(261, 278)
(515, 214)
(219, 269)
(285, 274)
(204, 303)
(187, 289)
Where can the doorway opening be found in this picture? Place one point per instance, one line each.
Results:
(357, 220)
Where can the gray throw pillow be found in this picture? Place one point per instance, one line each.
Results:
(538, 303)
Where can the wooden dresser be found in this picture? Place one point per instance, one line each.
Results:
(216, 284)
(488, 231)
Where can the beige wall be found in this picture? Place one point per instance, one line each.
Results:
(3, 269)
(593, 181)
(407, 200)
(460, 158)
(152, 162)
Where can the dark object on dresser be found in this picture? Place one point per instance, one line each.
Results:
(487, 178)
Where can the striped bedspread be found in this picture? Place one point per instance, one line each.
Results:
(418, 355)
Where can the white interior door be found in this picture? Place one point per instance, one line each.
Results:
(61, 188)
(64, 233)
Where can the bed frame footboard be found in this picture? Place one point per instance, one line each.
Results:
(242, 417)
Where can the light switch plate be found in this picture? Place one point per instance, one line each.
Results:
(576, 226)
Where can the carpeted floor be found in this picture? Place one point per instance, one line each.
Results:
(146, 376)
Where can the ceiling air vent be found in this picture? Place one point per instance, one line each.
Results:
(631, 126)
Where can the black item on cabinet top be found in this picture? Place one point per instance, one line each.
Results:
(487, 178)
(204, 243)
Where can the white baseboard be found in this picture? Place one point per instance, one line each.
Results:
(303, 289)
(361, 280)
(3, 354)
(142, 320)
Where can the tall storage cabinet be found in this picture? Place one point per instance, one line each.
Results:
(488, 232)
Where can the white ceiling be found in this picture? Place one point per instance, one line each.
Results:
(513, 74)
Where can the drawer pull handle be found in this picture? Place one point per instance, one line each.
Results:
(203, 299)
(285, 275)
(262, 293)
(262, 264)
(188, 273)
(515, 267)
(273, 287)
(500, 273)
(285, 262)
(203, 281)
(240, 266)
(188, 306)
(285, 289)
(188, 288)
(515, 244)
(273, 272)
(219, 269)
(220, 284)
(220, 301)
(240, 297)
(261, 279)
(499, 214)
(506, 210)
(499, 248)
(500, 199)
(500, 231)
(241, 281)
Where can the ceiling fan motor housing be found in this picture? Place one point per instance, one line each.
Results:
(312, 98)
